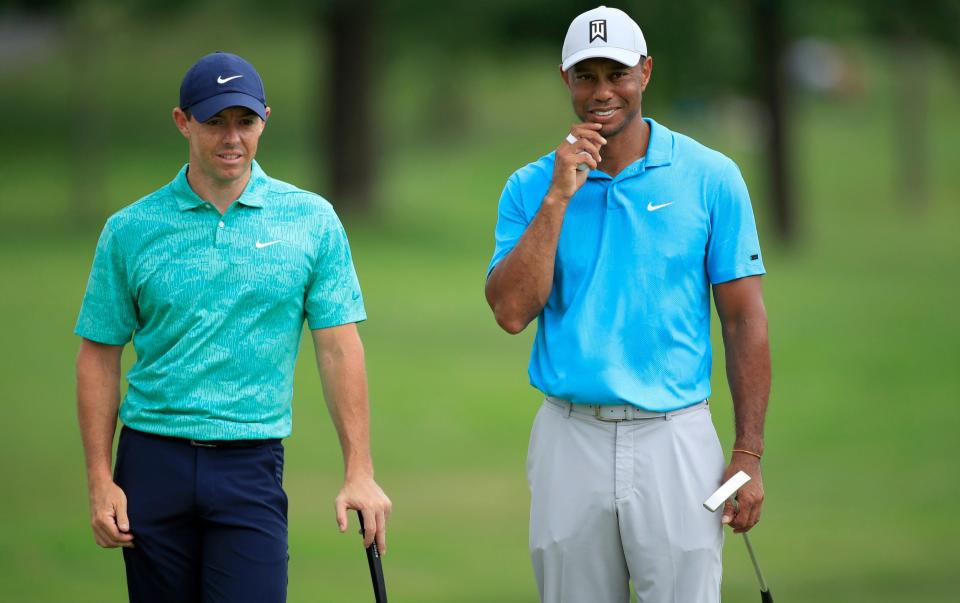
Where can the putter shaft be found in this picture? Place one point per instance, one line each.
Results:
(765, 595)
(756, 565)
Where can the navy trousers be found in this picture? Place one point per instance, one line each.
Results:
(209, 524)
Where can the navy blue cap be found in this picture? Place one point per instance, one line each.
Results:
(220, 80)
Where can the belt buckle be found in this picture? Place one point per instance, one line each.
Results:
(600, 417)
(202, 444)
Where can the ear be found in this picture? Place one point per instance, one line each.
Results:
(266, 113)
(563, 76)
(181, 121)
(646, 72)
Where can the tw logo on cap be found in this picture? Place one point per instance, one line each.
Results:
(598, 30)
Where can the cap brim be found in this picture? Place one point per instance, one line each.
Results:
(206, 109)
(629, 58)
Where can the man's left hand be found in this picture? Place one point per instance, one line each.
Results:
(364, 495)
(746, 513)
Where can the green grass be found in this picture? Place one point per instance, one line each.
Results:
(860, 438)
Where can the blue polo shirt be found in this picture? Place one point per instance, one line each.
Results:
(215, 304)
(628, 318)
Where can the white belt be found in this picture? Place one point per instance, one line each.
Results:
(620, 412)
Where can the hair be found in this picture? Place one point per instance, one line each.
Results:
(186, 111)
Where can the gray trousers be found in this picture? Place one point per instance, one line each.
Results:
(611, 502)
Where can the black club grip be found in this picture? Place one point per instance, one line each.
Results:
(376, 568)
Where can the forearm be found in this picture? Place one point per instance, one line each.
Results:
(520, 285)
(748, 373)
(342, 372)
(98, 398)
(340, 361)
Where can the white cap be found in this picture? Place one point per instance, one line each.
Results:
(603, 32)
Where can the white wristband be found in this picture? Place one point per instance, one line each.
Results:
(581, 167)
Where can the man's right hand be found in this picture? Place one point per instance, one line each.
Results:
(566, 178)
(519, 286)
(108, 516)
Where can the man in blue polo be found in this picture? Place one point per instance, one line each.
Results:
(212, 277)
(613, 243)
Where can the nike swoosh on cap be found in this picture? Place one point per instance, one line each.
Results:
(224, 80)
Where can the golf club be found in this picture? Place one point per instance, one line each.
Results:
(724, 492)
(376, 568)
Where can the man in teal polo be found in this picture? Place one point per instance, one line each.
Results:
(212, 277)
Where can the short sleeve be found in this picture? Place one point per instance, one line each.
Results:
(733, 250)
(108, 313)
(333, 296)
(511, 222)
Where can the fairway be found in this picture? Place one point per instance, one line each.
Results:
(860, 464)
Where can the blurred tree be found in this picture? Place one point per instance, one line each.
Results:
(910, 106)
(86, 25)
(769, 44)
(909, 28)
(349, 28)
(89, 23)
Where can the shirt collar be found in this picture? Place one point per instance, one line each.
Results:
(660, 147)
(659, 153)
(253, 195)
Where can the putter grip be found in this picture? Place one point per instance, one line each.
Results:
(376, 568)
(766, 597)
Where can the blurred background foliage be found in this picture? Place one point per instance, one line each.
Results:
(409, 116)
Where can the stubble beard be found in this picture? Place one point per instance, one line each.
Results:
(628, 119)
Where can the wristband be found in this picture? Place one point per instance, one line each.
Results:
(581, 167)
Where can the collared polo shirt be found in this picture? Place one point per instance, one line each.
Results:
(215, 304)
(628, 317)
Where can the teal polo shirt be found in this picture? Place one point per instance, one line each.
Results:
(215, 304)
(628, 318)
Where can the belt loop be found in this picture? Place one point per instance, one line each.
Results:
(569, 409)
(667, 415)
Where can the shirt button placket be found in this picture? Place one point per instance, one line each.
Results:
(221, 236)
